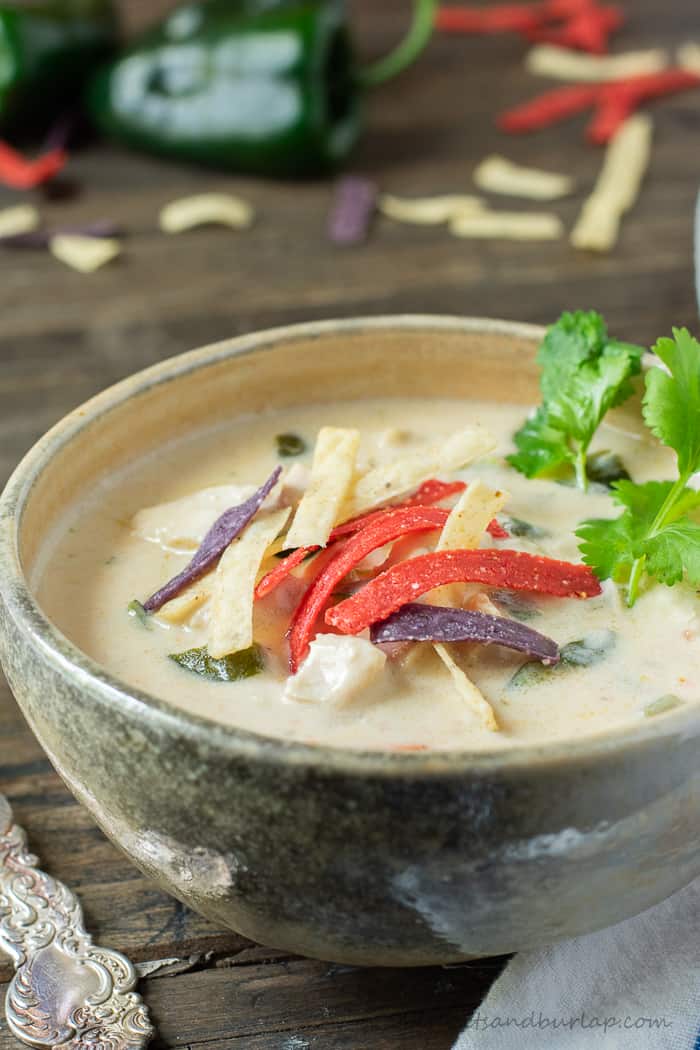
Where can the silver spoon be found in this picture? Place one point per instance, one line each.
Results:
(66, 991)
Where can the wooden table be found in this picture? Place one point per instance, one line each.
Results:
(65, 336)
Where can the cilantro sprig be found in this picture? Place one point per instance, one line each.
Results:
(584, 373)
(657, 534)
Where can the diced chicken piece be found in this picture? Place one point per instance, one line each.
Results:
(181, 525)
(337, 668)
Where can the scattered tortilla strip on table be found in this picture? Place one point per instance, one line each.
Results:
(469, 692)
(548, 60)
(688, 56)
(22, 218)
(470, 516)
(386, 482)
(206, 209)
(428, 211)
(508, 225)
(231, 616)
(625, 165)
(84, 254)
(499, 175)
(332, 473)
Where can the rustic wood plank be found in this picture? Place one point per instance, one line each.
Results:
(65, 336)
(299, 1003)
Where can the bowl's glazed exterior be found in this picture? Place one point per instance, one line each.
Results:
(389, 859)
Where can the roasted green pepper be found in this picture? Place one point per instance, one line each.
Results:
(47, 52)
(263, 86)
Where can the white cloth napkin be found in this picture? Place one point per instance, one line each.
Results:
(634, 986)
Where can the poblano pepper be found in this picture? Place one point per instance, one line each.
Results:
(47, 52)
(264, 86)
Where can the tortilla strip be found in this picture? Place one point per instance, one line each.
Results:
(390, 480)
(688, 56)
(20, 218)
(231, 620)
(179, 609)
(473, 697)
(221, 209)
(84, 254)
(499, 175)
(547, 60)
(428, 211)
(626, 161)
(464, 528)
(469, 517)
(332, 473)
(508, 225)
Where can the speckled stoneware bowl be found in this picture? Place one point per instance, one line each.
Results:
(357, 857)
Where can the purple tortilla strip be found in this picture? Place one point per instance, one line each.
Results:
(437, 623)
(351, 213)
(223, 531)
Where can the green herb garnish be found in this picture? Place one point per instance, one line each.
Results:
(655, 534)
(585, 652)
(290, 445)
(137, 612)
(662, 705)
(515, 605)
(524, 529)
(605, 468)
(584, 373)
(232, 668)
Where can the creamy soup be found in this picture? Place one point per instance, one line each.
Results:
(630, 664)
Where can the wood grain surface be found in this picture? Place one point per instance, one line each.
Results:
(64, 336)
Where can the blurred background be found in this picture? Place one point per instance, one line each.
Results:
(64, 334)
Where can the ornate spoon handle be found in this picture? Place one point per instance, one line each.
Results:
(66, 992)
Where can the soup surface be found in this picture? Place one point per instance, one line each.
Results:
(98, 560)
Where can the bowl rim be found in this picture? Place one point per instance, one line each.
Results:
(39, 633)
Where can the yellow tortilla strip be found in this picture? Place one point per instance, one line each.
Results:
(472, 696)
(85, 254)
(428, 211)
(180, 609)
(508, 226)
(469, 517)
(464, 528)
(21, 218)
(390, 480)
(206, 209)
(499, 175)
(625, 165)
(689, 57)
(231, 617)
(547, 60)
(332, 473)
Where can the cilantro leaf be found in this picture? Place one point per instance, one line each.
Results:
(668, 550)
(607, 545)
(672, 402)
(584, 373)
(674, 552)
(541, 448)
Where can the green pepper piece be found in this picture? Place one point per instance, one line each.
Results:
(244, 85)
(47, 53)
(232, 668)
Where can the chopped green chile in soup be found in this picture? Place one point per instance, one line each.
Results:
(617, 665)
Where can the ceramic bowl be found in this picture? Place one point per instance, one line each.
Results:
(389, 859)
